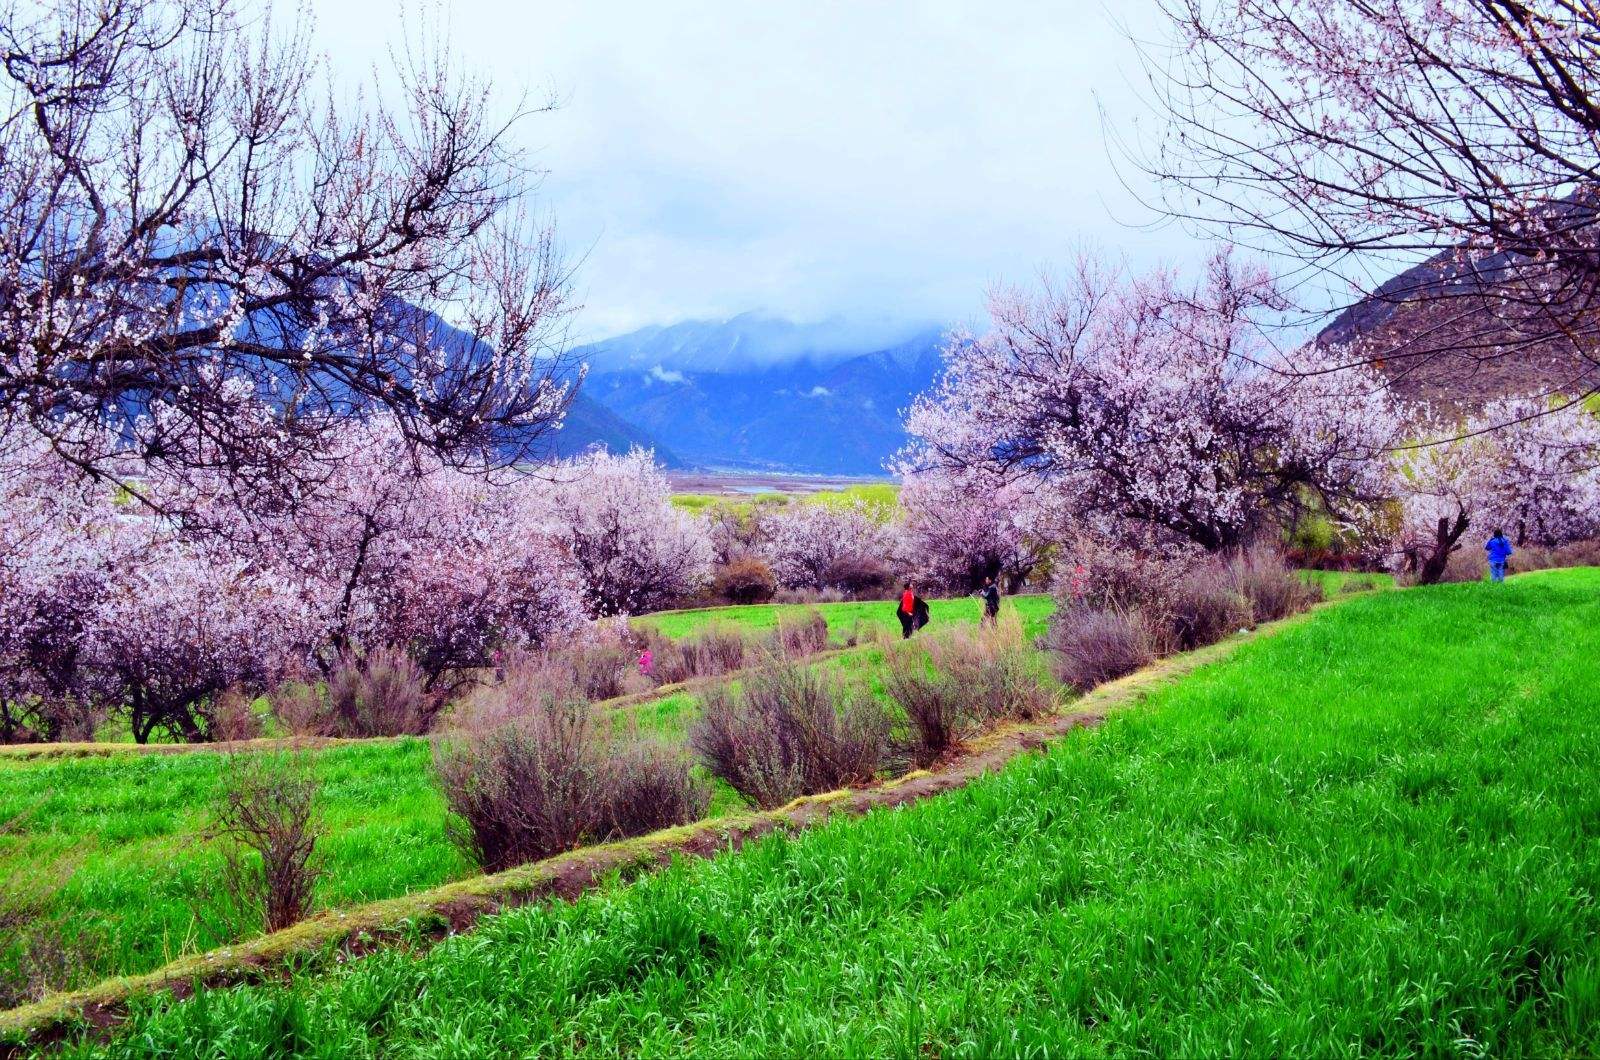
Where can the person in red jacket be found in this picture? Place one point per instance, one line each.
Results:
(907, 612)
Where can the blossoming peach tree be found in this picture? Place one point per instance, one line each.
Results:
(1140, 405)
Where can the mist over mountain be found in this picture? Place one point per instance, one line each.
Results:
(756, 393)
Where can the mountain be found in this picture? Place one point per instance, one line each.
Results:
(590, 423)
(759, 393)
(1455, 331)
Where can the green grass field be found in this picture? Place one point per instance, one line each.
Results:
(123, 835)
(139, 885)
(881, 498)
(858, 616)
(1373, 832)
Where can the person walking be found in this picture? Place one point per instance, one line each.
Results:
(907, 612)
(991, 601)
(1498, 548)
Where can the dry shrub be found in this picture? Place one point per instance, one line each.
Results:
(996, 665)
(858, 575)
(233, 717)
(746, 749)
(800, 635)
(527, 680)
(32, 719)
(1099, 575)
(649, 786)
(549, 781)
(1092, 645)
(301, 706)
(1465, 565)
(961, 680)
(1359, 584)
(381, 693)
(790, 731)
(266, 817)
(938, 709)
(527, 789)
(604, 669)
(745, 580)
(1584, 553)
(720, 648)
(1202, 608)
(1273, 588)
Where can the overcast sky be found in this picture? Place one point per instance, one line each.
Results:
(807, 159)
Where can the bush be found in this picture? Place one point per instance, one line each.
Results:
(1090, 645)
(960, 680)
(720, 648)
(301, 707)
(938, 709)
(1273, 588)
(800, 635)
(1202, 608)
(266, 816)
(745, 580)
(1098, 575)
(648, 786)
(830, 595)
(1465, 565)
(547, 782)
(747, 749)
(603, 670)
(381, 693)
(996, 666)
(31, 719)
(858, 575)
(1576, 554)
(791, 731)
(37, 954)
(232, 717)
(716, 650)
(527, 680)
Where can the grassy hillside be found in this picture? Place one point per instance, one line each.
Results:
(1373, 832)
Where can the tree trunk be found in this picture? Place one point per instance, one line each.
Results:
(1447, 537)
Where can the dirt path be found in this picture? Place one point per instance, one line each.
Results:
(422, 918)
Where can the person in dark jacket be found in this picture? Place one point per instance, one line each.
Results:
(1498, 548)
(991, 601)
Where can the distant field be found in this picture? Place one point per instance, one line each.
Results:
(881, 497)
(844, 618)
(1372, 833)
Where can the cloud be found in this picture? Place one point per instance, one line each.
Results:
(807, 158)
(818, 392)
(665, 375)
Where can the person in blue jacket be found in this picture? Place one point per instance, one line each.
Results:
(1498, 549)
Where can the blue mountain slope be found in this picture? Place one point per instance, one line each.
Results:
(758, 394)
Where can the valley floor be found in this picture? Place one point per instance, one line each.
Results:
(1373, 831)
